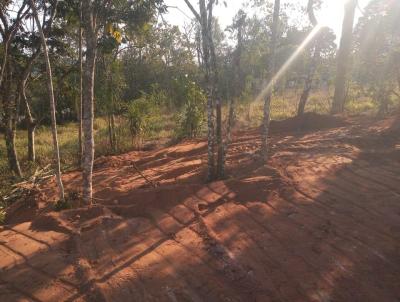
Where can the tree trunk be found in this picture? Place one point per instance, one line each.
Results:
(384, 105)
(210, 91)
(309, 80)
(220, 143)
(313, 64)
(88, 99)
(304, 98)
(271, 71)
(80, 105)
(56, 150)
(220, 173)
(10, 146)
(31, 127)
(9, 136)
(211, 76)
(30, 121)
(343, 57)
(237, 83)
(114, 136)
(397, 60)
(9, 117)
(214, 78)
(111, 132)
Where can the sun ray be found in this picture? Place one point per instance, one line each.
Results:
(289, 63)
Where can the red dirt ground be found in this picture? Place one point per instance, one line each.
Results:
(320, 222)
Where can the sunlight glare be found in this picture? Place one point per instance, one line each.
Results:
(288, 63)
(331, 13)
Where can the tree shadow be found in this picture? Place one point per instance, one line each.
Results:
(319, 226)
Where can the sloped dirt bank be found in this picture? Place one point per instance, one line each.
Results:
(320, 222)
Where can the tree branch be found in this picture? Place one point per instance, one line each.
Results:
(311, 14)
(195, 13)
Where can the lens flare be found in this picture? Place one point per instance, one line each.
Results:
(268, 89)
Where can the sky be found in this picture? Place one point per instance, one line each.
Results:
(331, 13)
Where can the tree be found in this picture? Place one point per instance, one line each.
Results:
(50, 89)
(90, 34)
(80, 104)
(205, 18)
(238, 25)
(30, 45)
(314, 61)
(97, 16)
(343, 57)
(270, 78)
(377, 45)
(8, 30)
(30, 121)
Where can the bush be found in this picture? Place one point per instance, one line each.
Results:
(143, 115)
(192, 117)
(61, 205)
(2, 215)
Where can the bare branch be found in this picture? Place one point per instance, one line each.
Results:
(195, 13)
(311, 14)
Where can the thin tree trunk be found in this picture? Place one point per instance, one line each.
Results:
(220, 172)
(80, 105)
(210, 92)
(6, 45)
(383, 98)
(237, 77)
(111, 132)
(9, 116)
(220, 145)
(50, 88)
(271, 71)
(31, 127)
(204, 17)
(397, 60)
(313, 64)
(30, 121)
(88, 99)
(10, 146)
(114, 136)
(8, 33)
(309, 80)
(343, 57)
(110, 136)
(10, 126)
(31, 141)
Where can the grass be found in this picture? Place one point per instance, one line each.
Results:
(283, 106)
(68, 142)
(249, 114)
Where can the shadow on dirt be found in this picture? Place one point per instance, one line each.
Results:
(320, 222)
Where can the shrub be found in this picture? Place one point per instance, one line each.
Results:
(2, 215)
(143, 115)
(192, 117)
(62, 205)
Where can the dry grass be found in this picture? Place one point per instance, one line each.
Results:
(249, 114)
(68, 141)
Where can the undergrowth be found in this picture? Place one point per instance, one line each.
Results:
(162, 127)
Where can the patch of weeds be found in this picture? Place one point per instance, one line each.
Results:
(62, 205)
(71, 198)
(2, 215)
